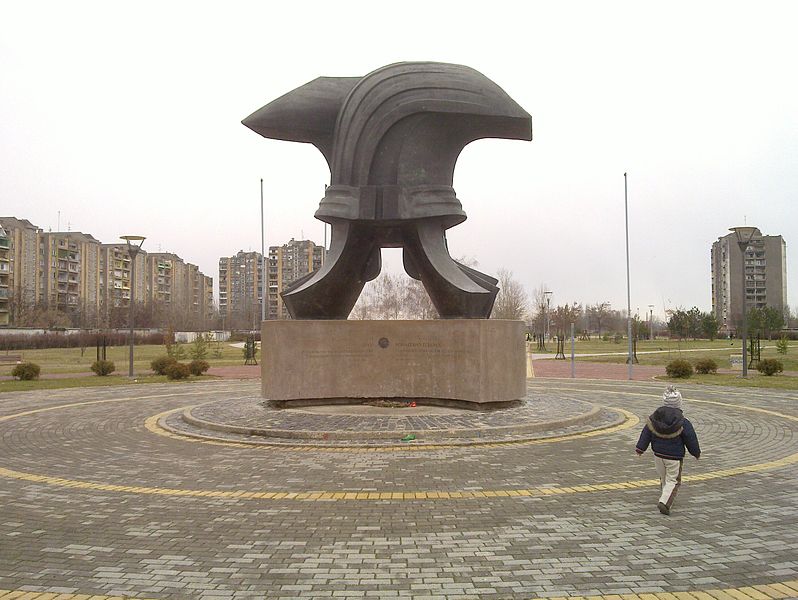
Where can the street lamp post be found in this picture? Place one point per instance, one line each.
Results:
(628, 278)
(264, 278)
(744, 237)
(134, 243)
(651, 321)
(547, 294)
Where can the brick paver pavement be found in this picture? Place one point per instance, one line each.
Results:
(93, 502)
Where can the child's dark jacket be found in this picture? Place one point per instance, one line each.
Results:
(668, 432)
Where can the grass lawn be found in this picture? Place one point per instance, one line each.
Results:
(755, 380)
(668, 350)
(596, 345)
(70, 360)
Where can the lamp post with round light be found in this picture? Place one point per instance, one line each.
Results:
(744, 237)
(547, 309)
(651, 321)
(134, 243)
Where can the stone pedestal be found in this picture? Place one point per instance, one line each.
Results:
(467, 360)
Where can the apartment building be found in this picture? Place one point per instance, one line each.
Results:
(76, 274)
(164, 277)
(241, 286)
(765, 277)
(5, 270)
(22, 264)
(199, 290)
(286, 264)
(207, 297)
(69, 272)
(178, 285)
(116, 277)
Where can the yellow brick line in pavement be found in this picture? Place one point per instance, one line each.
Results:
(152, 424)
(321, 495)
(23, 595)
(687, 401)
(784, 589)
(769, 591)
(317, 495)
(765, 411)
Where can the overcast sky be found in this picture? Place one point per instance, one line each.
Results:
(125, 117)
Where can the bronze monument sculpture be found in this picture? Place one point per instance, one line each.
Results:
(391, 140)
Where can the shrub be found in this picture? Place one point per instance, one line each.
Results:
(782, 345)
(679, 368)
(769, 366)
(26, 371)
(161, 364)
(177, 371)
(199, 347)
(103, 367)
(198, 367)
(705, 366)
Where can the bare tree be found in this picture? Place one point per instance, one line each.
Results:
(398, 296)
(394, 296)
(538, 308)
(417, 301)
(563, 316)
(599, 313)
(512, 301)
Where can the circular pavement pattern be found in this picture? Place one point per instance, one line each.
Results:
(95, 499)
(251, 420)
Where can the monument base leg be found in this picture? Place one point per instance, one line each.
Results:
(477, 361)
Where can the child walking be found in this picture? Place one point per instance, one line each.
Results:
(669, 433)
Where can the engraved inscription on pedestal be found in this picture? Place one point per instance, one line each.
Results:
(454, 359)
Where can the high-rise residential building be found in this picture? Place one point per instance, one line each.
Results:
(5, 271)
(765, 277)
(115, 278)
(241, 287)
(69, 273)
(200, 294)
(207, 298)
(23, 246)
(74, 273)
(286, 264)
(177, 285)
(165, 277)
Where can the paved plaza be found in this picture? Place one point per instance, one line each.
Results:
(98, 500)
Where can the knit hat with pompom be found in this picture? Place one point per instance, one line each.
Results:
(672, 397)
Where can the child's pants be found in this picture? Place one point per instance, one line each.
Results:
(670, 478)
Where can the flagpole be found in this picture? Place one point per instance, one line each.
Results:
(628, 280)
(264, 279)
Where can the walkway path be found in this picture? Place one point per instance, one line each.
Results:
(676, 353)
(93, 502)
